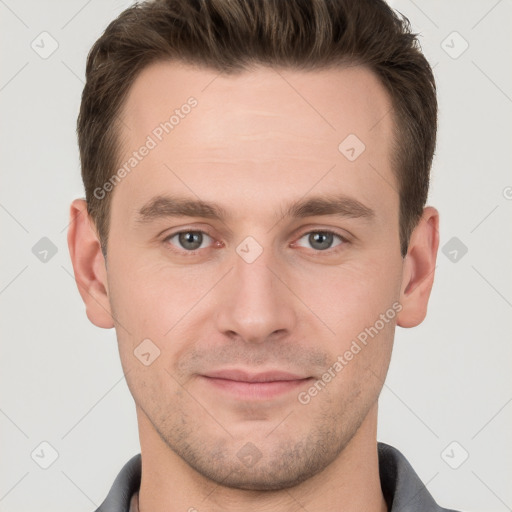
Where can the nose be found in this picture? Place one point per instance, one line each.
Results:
(255, 303)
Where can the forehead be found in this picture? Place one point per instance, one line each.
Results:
(332, 100)
(258, 130)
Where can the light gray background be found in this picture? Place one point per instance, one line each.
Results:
(61, 378)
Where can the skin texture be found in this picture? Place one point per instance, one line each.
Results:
(254, 143)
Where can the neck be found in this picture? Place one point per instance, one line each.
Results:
(350, 483)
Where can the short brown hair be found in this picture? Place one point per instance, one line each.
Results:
(232, 35)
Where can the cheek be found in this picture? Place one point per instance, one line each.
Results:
(151, 297)
(351, 297)
(156, 308)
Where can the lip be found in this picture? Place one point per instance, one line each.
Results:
(254, 386)
(244, 376)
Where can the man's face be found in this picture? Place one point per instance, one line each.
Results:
(254, 145)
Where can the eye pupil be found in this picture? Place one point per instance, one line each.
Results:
(323, 239)
(190, 237)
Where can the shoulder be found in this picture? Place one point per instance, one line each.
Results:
(402, 487)
(126, 484)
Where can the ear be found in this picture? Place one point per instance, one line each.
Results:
(89, 265)
(419, 267)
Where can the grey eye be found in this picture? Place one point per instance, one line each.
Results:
(321, 240)
(189, 240)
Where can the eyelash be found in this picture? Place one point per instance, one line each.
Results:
(343, 239)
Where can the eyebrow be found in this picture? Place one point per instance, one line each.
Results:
(163, 206)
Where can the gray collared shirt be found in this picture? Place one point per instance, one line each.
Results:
(401, 486)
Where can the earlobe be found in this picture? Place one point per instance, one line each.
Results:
(419, 269)
(89, 265)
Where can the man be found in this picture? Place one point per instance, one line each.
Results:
(254, 228)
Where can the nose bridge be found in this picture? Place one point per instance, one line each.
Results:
(256, 304)
(254, 278)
